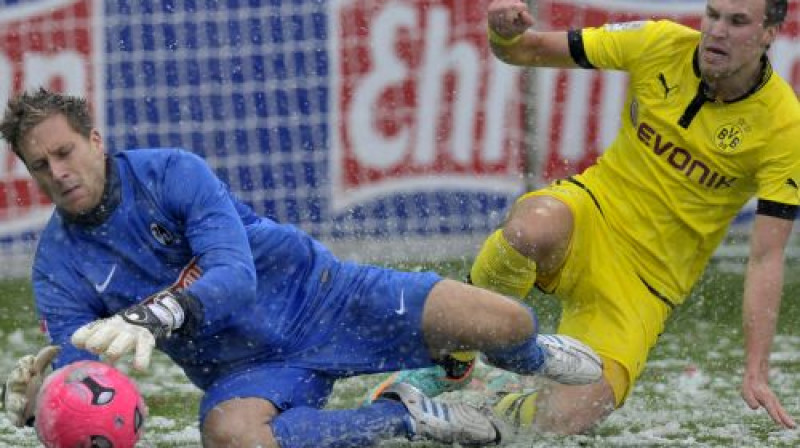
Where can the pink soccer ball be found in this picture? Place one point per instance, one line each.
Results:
(89, 404)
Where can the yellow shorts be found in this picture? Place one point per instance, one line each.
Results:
(604, 302)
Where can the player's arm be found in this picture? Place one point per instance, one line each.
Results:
(762, 298)
(514, 41)
(60, 313)
(216, 235)
(189, 192)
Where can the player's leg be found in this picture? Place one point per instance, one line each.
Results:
(576, 409)
(606, 305)
(240, 408)
(399, 320)
(563, 409)
(240, 422)
(626, 326)
(459, 316)
(280, 407)
(535, 237)
(373, 320)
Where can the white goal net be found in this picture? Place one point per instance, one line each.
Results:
(384, 128)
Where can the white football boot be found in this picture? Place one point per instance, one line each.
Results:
(445, 422)
(568, 360)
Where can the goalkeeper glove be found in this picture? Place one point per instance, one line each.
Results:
(134, 329)
(23, 383)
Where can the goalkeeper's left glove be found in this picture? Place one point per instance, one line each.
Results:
(23, 384)
(134, 329)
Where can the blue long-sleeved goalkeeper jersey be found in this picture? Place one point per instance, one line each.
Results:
(167, 220)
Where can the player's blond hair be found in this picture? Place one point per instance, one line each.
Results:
(30, 108)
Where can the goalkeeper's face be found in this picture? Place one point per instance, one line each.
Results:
(734, 36)
(67, 166)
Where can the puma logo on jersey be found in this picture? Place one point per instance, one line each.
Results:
(667, 88)
(790, 182)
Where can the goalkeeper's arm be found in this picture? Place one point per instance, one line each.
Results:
(135, 329)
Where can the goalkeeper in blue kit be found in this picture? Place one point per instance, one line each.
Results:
(147, 248)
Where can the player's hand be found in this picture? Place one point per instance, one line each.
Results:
(509, 18)
(23, 383)
(134, 329)
(757, 393)
(114, 337)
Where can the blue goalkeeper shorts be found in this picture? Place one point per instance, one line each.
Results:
(373, 327)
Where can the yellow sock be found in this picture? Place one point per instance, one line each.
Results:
(501, 268)
(463, 356)
(517, 408)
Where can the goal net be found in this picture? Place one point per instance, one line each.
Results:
(384, 128)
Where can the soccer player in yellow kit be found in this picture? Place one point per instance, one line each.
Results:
(707, 125)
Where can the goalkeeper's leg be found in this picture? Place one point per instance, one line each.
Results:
(539, 229)
(499, 267)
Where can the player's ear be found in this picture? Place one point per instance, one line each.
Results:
(770, 34)
(96, 140)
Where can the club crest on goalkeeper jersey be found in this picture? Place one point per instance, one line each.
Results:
(172, 223)
(683, 165)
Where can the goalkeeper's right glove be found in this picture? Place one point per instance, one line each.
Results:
(134, 329)
(23, 384)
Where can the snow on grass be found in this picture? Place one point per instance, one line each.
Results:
(681, 400)
(688, 396)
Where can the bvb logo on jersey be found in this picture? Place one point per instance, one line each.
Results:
(728, 137)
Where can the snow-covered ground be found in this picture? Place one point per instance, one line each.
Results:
(688, 396)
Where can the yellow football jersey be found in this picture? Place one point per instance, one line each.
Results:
(683, 165)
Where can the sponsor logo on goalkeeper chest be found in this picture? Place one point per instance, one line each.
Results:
(52, 44)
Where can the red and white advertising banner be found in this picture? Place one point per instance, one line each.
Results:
(419, 102)
(579, 110)
(53, 43)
